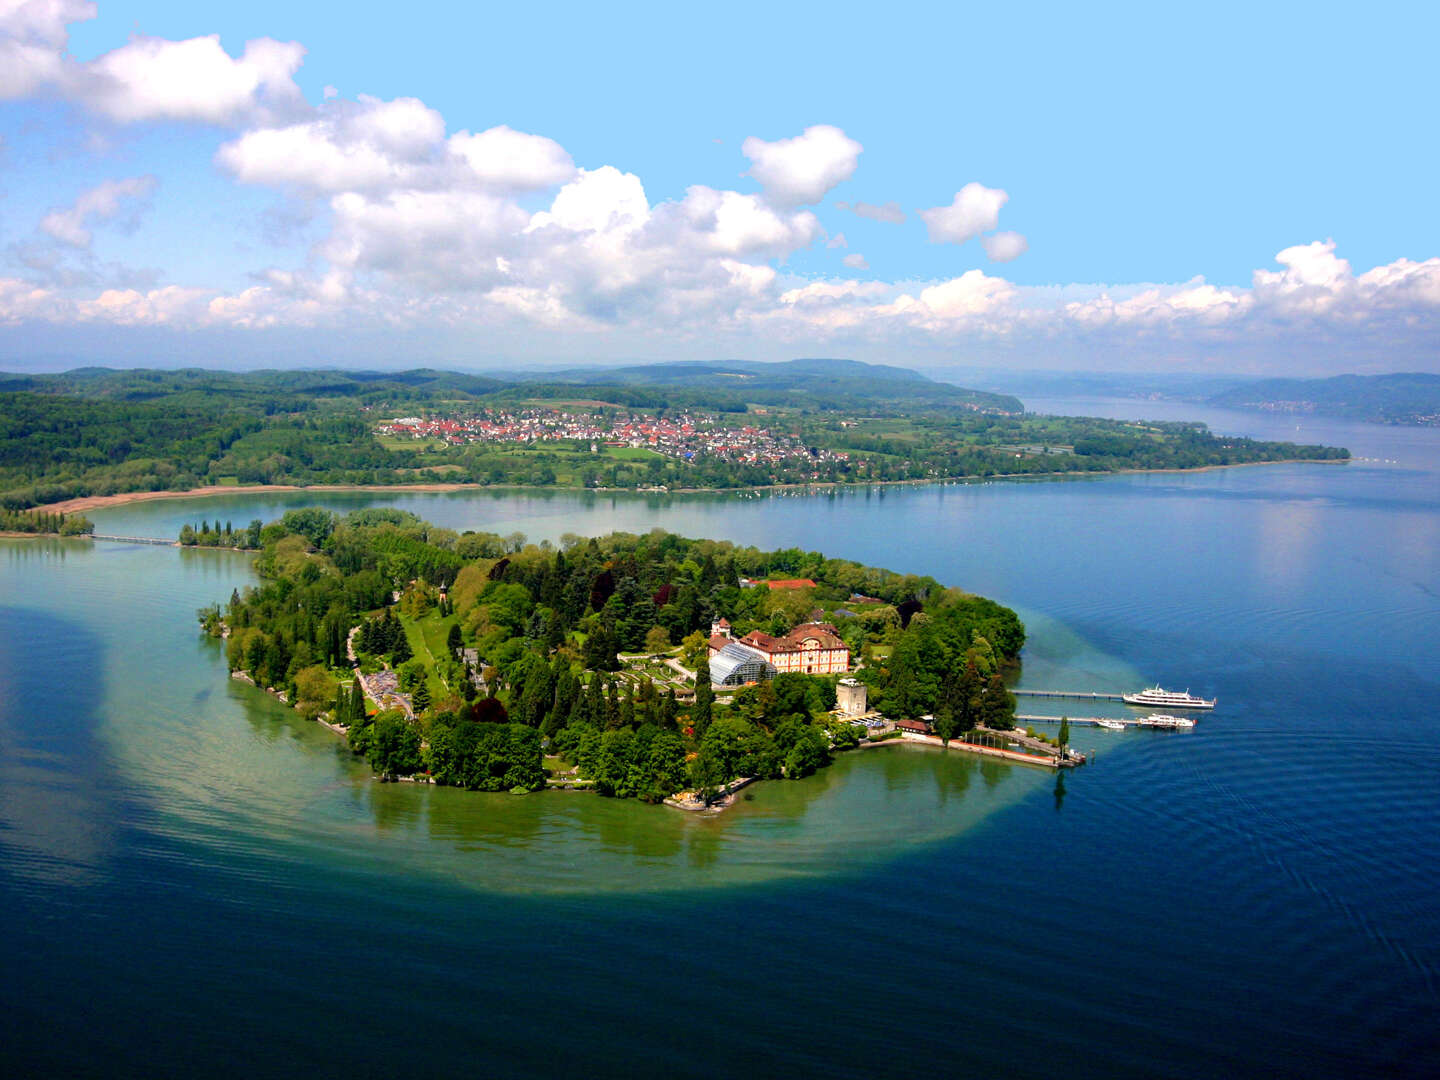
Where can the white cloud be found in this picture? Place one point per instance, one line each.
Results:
(195, 79)
(889, 212)
(800, 170)
(1004, 246)
(428, 240)
(856, 261)
(729, 223)
(653, 274)
(171, 305)
(503, 159)
(837, 241)
(148, 78)
(599, 200)
(23, 301)
(33, 36)
(101, 203)
(1196, 303)
(363, 145)
(975, 209)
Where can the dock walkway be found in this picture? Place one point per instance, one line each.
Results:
(1088, 695)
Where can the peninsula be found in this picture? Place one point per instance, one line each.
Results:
(490, 663)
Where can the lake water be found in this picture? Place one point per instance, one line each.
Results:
(193, 880)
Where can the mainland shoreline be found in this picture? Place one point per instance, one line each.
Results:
(82, 503)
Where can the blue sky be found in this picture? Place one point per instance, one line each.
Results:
(1105, 187)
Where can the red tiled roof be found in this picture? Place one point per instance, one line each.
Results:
(824, 634)
(792, 583)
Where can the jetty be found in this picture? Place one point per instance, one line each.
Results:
(134, 539)
(1089, 695)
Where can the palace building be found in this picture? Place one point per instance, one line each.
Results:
(811, 648)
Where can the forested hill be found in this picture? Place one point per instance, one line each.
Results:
(799, 383)
(1400, 398)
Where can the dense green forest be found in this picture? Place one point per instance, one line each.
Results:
(42, 522)
(1399, 398)
(500, 662)
(99, 432)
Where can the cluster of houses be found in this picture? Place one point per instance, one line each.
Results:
(686, 436)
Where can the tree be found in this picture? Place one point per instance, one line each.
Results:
(394, 748)
(357, 702)
(400, 651)
(420, 699)
(453, 640)
(657, 640)
(1063, 739)
(704, 705)
(314, 689)
(998, 705)
(694, 651)
(409, 675)
(946, 724)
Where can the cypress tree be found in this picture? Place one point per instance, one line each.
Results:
(704, 702)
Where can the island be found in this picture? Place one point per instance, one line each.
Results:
(71, 441)
(490, 663)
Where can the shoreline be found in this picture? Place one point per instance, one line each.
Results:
(82, 503)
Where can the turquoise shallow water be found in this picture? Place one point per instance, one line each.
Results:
(192, 879)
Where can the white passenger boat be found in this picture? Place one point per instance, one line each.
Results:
(1160, 720)
(1167, 699)
(1110, 725)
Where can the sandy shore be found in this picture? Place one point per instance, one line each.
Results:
(99, 502)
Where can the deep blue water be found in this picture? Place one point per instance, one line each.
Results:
(192, 881)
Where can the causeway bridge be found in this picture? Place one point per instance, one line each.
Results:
(134, 539)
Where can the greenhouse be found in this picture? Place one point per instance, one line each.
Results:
(736, 665)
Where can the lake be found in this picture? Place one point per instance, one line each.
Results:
(194, 880)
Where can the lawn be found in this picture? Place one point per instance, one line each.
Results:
(427, 641)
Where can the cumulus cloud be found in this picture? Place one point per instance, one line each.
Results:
(33, 36)
(604, 262)
(345, 146)
(104, 202)
(196, 79)
(1004, 246)
(371, 145)
(889, 212)
(975, 209)
(147, 78)
(800, 170)
(507, 160)
(419, 227)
